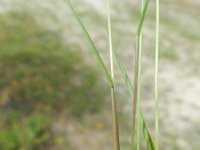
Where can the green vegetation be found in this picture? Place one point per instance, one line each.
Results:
(138, 119)
(167, 54)
(31, 132)
(40, 78)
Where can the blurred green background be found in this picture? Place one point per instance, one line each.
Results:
(41, 79)
(52, 92)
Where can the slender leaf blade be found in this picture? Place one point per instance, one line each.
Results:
(142, 17)
(146, 134)
(123, 71)
(127, 81)
(91, 44)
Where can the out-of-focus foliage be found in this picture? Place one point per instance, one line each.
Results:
(31, 132)
(40, 77)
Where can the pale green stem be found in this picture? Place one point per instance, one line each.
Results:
(156, 75)
(116, 142)
(115, 127)
(136, 96)
(139, 82)
(110, 41)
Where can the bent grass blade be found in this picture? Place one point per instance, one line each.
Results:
(92, 45)
(109, 77)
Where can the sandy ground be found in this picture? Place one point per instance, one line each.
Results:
(179, 72)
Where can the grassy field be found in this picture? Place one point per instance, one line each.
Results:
(178, 71)
(42, 79)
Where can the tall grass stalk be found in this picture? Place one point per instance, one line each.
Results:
(156, 75)
(146, 134)
(109, 77)
(116, 142)
(139, 55)
(137, 79)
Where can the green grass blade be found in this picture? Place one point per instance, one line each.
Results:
(92, 45)
(114, 106)
(146, 133)
(147, 136)
(124, 73)
(137, 80)
(121, 66)
(141, 21)
(156, 76)
(128, 83)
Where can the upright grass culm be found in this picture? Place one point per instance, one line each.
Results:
(138, 91)
(146, 134)
(156, 75)
(137, 119)
(116, 142)
(127, 81)
(107, 75)
(134, 90)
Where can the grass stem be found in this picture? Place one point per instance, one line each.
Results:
(110, 40)
(156, 75)
(137, 79)
(114, 106)
(115, 121)
(138, 90)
